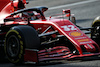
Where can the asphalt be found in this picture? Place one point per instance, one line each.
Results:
(85, 11)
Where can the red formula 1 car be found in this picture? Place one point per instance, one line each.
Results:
(28, 35)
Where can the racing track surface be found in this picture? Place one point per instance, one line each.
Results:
(85, 11)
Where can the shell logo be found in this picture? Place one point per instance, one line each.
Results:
(75, 33)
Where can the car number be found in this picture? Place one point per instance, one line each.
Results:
(68, 27)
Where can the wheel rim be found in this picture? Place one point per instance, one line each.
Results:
(97, 31)
(13, 46)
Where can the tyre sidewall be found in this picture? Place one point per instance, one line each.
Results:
(19, 57)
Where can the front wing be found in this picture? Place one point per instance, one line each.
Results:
(55, 53)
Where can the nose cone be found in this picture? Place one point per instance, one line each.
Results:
(90, 48)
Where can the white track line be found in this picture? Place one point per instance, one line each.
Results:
(73, 4)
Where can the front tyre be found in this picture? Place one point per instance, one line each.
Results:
(14, 47)
(19, 38)
(95, 32)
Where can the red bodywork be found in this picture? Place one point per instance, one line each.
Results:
(76, 36)
(65, 27)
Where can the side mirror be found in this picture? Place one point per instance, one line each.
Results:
(67, 12)
(27, 2)
(73, 19)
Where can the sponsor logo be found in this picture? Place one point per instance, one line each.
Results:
(83, 40)
(75, 33)
(46, 55)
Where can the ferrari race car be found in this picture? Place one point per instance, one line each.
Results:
(28, 36)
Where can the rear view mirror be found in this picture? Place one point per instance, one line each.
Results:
(67, 12)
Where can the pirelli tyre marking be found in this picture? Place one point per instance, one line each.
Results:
(20, 54)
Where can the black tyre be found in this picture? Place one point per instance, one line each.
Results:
(17, 40)
(95, 33)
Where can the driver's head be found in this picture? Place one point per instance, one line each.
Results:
(21, 4)
(19, 0)
(30, 13)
